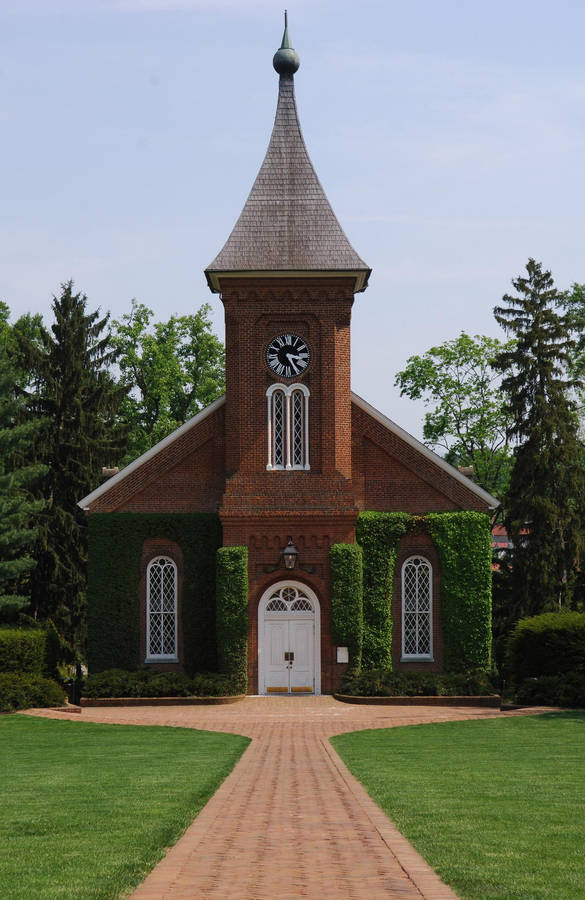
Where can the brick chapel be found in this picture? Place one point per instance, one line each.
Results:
(284, 464)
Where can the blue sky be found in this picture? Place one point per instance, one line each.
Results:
(449, 138)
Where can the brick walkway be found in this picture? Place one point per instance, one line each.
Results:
(290, 821)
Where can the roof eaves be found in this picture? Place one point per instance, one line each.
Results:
(361, 276)
(492, 502)
(86, 503)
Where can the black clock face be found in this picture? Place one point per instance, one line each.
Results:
(288, 355)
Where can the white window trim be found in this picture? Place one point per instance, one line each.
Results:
(161, 657)
(288, 390)
(413, 657)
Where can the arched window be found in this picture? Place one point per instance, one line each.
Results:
(417, 613)
(288, 426)
(161, 610)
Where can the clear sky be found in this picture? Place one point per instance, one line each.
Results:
(449, 137)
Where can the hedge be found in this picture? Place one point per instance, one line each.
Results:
(232, 613)
(25, 691)
(147, 683)
(566, 690)
(116, 541)
(379, 535)
(347, 615)
(550, 644)
(385, 683)
(22, 650)
(463, 544)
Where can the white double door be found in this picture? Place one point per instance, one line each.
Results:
(289, 657)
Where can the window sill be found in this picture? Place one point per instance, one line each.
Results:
(161, 659)
(406, 659)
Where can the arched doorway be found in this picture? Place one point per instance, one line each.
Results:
(289, 640)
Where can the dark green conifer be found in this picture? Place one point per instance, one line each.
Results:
(72, 389)
(545, 500)
(18, 507)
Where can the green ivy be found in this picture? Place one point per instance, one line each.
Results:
(464, 545)
(232, 613)
(116, 541)
(347, 617)
(379, 535)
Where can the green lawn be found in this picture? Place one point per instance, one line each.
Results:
(496, 807)
(88, 809)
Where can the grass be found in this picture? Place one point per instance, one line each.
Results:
(87, 810)
(496, 807)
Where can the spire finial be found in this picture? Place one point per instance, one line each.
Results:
(286, 60)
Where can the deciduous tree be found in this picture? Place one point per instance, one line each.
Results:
(457, 380)
(171, 371)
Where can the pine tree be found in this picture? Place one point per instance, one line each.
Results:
(72, 389)
(545, 499)
(17, 505)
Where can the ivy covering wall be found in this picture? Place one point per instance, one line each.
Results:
(463, 544)
(232, 613)
(347, 617)
(379, 535)
(116, 541)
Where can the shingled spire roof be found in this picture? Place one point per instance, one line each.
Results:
(287, 225)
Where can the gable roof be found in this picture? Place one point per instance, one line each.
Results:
(111, 483)
(146, 457)
(487, 498)
(287, 225)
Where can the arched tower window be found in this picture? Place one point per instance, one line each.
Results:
(288, 426)
(161, 610)
(417, 602)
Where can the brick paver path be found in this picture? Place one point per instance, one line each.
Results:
(290, 821)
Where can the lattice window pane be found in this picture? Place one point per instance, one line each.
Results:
(278, 428)
(424, 635)
(302, 604)
(409, 626)
(277, 605)
(297, 428)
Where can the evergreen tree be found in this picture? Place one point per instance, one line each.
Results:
(17, 505)
(72, 389)
(545, 498)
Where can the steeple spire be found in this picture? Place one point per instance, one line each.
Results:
(287, 226)
(286, 60)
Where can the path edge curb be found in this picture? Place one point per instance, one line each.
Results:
(424, 878)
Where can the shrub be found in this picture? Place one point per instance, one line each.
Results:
(146, 683)
(347, 617)
(24, 691)
(385, 683)
(232, 612)
(22, 650)
(553, 690)
(549, 644)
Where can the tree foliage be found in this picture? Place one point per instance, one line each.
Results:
(72, 391)
(545, 500)
(467, 420)
(17, 481)
(171, 371)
